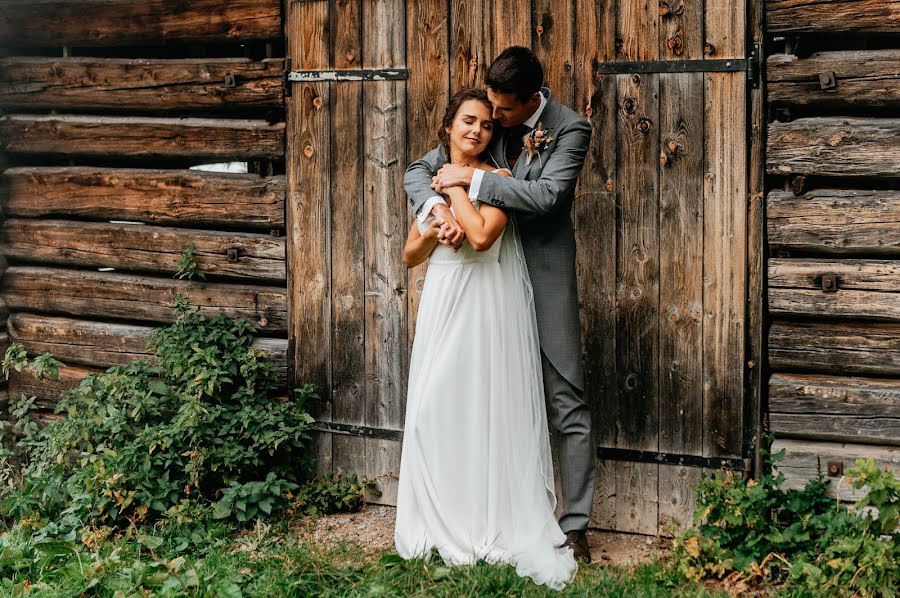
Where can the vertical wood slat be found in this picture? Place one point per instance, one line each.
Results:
(637, 300)
(553, 43)
(347, 245)
(595, 235)
(308, 160)
(725, 34)
(469, 43)
(510, 25)
(427, 92)
(681, 290)
(681, 29)
(384, 126)
(637, 30)
(724, 265)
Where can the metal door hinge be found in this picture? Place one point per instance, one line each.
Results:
(754, 66)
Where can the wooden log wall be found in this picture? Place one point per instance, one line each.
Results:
(106, 107)
(833, 224)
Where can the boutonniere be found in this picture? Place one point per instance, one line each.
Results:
(535, 142)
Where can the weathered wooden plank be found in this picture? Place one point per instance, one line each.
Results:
(637, 497)
(867, 78)
(348, 366)
(385, 226)
(141, 137)
(677, 498)
(724, 29)
(141, 247)
(835, 146)
(842, 348)
(681, 29)
(637, 31)
(469, 43)
(553, 42)
(47, 390)
(510, 25)
(833, 408)
(124, 22)
(114, 295)
(835, 221)
(724, 263)
(103, 344)
(832, 16)
(866, 288)
(30, 82)
(804, 459)
(307, 163)
(637, 300)
(680, 317)
(181, 197)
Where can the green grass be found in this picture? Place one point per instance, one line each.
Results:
(276, 561)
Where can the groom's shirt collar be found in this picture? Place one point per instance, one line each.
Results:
(533, 120)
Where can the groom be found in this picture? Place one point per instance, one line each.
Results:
(544, 144)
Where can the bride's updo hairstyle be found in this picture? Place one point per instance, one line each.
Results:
(458, 99)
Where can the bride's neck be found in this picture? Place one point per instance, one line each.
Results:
(458, 156)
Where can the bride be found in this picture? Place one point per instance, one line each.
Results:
(476, 478)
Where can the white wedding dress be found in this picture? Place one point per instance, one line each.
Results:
(476, 477)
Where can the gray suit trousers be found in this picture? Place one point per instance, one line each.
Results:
(569, 419)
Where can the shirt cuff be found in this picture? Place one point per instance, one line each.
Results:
(425, 210)
(475, 185)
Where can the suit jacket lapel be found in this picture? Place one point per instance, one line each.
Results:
(548, 120)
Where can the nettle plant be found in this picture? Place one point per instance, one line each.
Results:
(199, 422)
(752, 531)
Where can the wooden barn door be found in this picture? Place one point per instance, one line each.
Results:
(660, 218)
(662, 241)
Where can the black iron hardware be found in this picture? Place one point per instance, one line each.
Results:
(230, 81)
(285, 84)
(232, 253)
(835, 469)
(754, 65)
(617, 454)
(827, 80)
(829, 283)
(628, 67)
(352, 430)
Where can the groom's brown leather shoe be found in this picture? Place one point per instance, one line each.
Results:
(578, 541)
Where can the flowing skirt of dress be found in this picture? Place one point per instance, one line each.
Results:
(476, 478)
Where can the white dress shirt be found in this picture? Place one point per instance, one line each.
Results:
(475, 185)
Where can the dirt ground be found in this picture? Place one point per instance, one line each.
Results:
(373, 530)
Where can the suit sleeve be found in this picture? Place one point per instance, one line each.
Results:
(417, 180)
(558, 177)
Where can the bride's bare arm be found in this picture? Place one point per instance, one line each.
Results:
(482, 226)
(418, 245)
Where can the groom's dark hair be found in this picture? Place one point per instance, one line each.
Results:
(517, 70)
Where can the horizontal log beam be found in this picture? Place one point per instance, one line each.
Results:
(834, 408)
(840, 348)
(804, 459)
(835, 146)
(103, 344)
(178, 197)
(142, 137)
(861, 78)
(118, 22)
(85, 293)
(47, 390)
(140, 84)
(835, 221)
(865, 288)
(832, 16)
(142, 248)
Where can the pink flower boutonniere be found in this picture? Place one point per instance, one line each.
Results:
(535, 142)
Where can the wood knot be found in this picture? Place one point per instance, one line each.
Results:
(608, 185)
(631, 381)
(644, 125)
(629, 105)
(317, 102)
(539, 30)
(636, 79)
(308, 151)
(708, 49)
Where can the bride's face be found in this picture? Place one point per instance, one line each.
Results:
(472, 128)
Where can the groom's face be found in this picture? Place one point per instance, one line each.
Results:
(509, 111)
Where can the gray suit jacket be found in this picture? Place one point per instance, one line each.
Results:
(540, 196)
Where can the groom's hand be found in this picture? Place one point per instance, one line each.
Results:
(452, 175)
(450, 232)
